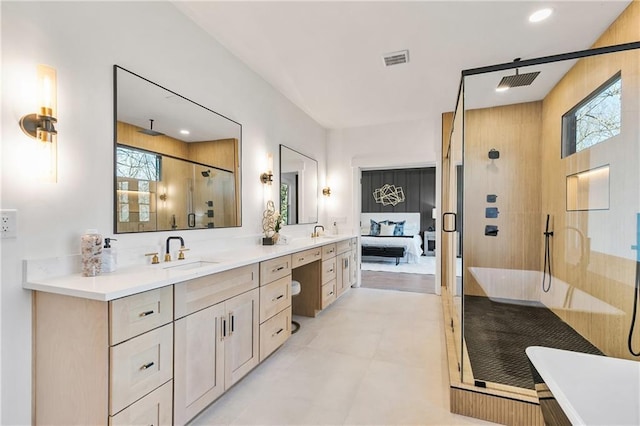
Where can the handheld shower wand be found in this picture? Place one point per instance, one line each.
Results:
(547, 257)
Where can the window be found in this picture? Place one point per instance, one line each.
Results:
(595, 119)
(136, 170)
(135, 164)
(144, 200)
(123, 201)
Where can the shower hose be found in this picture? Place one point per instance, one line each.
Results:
(547, 258)
(636, 291)
(636, 296)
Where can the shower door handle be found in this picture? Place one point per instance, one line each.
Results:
(191, 219)
(455, 222)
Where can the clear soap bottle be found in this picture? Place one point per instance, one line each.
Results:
(109, 256)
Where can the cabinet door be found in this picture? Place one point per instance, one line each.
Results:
(199, 361)
(344, 273)
(241, 345)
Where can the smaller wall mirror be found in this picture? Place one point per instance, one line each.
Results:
(298, 187)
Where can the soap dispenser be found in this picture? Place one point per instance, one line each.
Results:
(109, 256)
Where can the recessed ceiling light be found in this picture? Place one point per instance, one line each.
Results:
(501, 89)
(184, 132)
(540, 15)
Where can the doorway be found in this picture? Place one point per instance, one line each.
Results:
(398, 221)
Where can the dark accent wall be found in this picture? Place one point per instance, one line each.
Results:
(419, 186)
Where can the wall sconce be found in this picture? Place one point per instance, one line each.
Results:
(326, 191)
(40, 125)
(267, 177)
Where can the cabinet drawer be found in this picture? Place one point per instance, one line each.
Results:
(274, 297)
(328, 251)
(139, 366)
(328, 270)
(343, 246)
(194, 295)
(274, 333)
(328, 293)
(304, 257)
(154, 409)
(274, 269)
(137, 314)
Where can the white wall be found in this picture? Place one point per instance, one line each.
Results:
(83, 40)
(387, 146)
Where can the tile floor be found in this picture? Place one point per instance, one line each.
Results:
(374, 357)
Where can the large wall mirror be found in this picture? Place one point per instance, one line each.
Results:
(298, 187)
(177, 163)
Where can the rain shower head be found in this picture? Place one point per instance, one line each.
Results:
(150, 130)
(517, 80)
(206, 173)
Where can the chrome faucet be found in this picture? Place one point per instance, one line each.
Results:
(167, 256)
(316, 233)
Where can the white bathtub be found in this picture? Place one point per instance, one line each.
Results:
(521, 287)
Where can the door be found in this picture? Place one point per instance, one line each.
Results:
(199, 361)
(241, 345)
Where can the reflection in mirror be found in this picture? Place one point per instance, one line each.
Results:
(177, 163)
(298, 187)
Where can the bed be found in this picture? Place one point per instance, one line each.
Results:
(404, 243)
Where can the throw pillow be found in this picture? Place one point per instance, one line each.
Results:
(399, 229)
(386, 230)
(375, 227)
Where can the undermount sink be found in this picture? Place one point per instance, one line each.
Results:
(181, 266)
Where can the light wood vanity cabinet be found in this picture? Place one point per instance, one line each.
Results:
(103, 362)
(216, 339)
(346, 265)
(161, 356)
(275, 304)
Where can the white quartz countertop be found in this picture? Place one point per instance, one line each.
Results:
(136, 279)
(591, 389)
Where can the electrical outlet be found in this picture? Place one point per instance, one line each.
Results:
(8, 223)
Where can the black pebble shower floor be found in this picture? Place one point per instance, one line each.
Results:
(497, 335)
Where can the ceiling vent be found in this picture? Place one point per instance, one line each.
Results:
(396, 58)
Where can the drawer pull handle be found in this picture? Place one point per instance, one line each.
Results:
(278, 269)
(144, 314)
(232, 321)
(300, 259)
(277, 298)
(278, 332)
(330, 293)
(331, 270)
(146, 366)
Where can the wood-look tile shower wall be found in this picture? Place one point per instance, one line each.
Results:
(592, 249)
